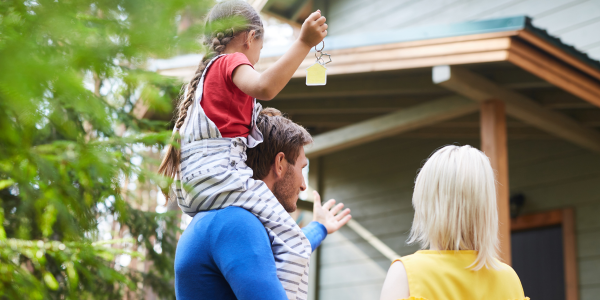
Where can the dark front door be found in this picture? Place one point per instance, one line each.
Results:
(537, 257)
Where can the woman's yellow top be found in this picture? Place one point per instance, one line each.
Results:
(444, 275)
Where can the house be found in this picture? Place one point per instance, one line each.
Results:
(411, 76)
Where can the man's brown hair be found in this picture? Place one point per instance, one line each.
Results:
(280, 134)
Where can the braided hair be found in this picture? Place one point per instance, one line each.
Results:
(215, 43)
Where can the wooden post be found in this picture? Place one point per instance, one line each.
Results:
(315, 179)
(570, 254)
(493, 144)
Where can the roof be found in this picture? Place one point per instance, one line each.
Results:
(405, 35)
(441, 31)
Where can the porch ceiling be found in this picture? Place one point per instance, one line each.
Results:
(548, 86)
(351, 98)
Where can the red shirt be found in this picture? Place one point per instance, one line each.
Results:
(223, 102)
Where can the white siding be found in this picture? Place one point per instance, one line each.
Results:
(375, 180)
(576, 22)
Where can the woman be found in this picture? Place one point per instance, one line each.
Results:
(457, 220)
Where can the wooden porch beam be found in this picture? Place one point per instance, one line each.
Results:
(347, 105)
(559, 53)
(493, 144)
(480, 89)
(570, 254)
(410, 55)
(375, 242)
(380, 127)
(418, 85)
(555, 72)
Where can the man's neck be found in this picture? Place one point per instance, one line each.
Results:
(269, 181)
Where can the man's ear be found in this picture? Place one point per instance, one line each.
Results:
(279, 165)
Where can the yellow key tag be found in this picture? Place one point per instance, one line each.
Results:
(316, 75)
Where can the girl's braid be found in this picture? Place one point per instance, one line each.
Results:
(215, 44)
(170, 163)
(216, 47)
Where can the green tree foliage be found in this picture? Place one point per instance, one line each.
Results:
(70, 74)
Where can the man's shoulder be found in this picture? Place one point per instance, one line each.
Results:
(234, 213)
(234, 225)
(236, 218)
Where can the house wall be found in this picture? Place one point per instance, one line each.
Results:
(576, 22)
(375, 180)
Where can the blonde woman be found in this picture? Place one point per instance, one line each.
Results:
(456, 219)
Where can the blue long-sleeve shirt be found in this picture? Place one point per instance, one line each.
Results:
(226, 254)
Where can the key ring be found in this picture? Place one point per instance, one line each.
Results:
(323, 41)
(321, 60)
(319, 54)
(316, 74)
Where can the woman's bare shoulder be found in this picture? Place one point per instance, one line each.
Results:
(396, 283)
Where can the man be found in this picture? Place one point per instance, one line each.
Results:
(227, 253)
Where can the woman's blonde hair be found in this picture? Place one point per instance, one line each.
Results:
(455, 204)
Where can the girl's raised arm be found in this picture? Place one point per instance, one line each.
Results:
(267, 85)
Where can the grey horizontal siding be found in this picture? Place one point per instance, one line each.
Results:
(362, 291)
(576, 22)
(376, 180)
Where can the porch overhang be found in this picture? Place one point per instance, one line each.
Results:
(512, 39)
(379, 73)
(481, 46)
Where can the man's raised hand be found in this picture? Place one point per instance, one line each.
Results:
(330, 215)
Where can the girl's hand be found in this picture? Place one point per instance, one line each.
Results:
(313, 30)
(267, 85)
(326, 215)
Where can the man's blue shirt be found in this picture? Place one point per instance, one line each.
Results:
(226, 254)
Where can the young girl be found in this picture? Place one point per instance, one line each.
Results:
(217, 122)
(457, 219)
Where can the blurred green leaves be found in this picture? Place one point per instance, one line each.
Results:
(71, 73)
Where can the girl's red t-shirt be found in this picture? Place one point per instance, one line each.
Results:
(223, 102)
